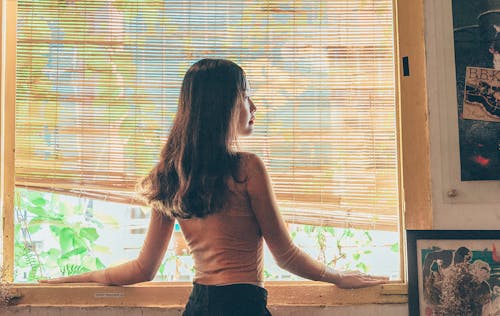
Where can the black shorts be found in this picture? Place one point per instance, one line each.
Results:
(227, 300)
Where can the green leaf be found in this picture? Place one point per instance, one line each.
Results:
(99, 265)
(34, 228)
(37, 210)
(39, 201)
(74, 252)
(362, 266)
(55, 229)
(20, 263)
(32, 276)
(79, 242)
(89, 233)
(72, 269)
(161, 269)
(54, 253)
(33, 263)
(348, 233)
(356, 256)
(368, 235)
(395, 247)
(66, 237)
(20, 252)
(331, 230)
(308, 228)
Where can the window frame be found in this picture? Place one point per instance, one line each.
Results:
(413, 172)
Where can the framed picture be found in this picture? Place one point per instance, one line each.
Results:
(453, 272)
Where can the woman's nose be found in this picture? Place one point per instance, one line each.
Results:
(253, 108)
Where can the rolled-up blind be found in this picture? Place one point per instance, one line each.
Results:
(98, 83)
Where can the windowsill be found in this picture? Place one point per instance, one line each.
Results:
(172, 294)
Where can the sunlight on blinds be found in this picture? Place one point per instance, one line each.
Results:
(98, 82)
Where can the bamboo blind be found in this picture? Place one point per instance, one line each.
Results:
(98, 82)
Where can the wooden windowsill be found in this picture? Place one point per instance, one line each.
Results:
(171, 294)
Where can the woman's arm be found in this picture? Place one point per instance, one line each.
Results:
(287, 254)
(141, 269)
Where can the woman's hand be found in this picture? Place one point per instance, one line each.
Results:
(80, 278)
(356, 280)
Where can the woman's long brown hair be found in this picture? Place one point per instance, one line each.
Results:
(190, 178)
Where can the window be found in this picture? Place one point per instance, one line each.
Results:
(97, 85)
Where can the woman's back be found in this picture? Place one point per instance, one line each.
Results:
(227, 246)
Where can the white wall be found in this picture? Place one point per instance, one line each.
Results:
(477, 204)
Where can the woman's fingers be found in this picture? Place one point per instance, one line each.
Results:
(55, 280)
(374, 282)
(356, 279)
(377, 277)
(365, 275)
(69, 279)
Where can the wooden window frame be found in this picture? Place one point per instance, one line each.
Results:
(414, 183)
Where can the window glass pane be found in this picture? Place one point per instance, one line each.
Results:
(63, 235)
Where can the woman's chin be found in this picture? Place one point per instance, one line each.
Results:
(246, 132)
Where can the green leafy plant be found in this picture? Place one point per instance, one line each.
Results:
(358, 241)
(73, 231)
(72, 227)
(162, 270)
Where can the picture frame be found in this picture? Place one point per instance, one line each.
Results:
(453, 272)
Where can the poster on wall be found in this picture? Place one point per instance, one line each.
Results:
(476, 26)
(453, 272)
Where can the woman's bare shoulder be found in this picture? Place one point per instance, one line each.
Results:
(250, 163)
(252, 168)
(248, 156)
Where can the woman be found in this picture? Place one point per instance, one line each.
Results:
(223, 201)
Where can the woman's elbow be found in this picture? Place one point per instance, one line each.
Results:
(148, 275)
(144, 272)
(282, 263)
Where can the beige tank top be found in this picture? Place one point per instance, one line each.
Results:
(226, 246)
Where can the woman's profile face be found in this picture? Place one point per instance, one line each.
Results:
(247, 114)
